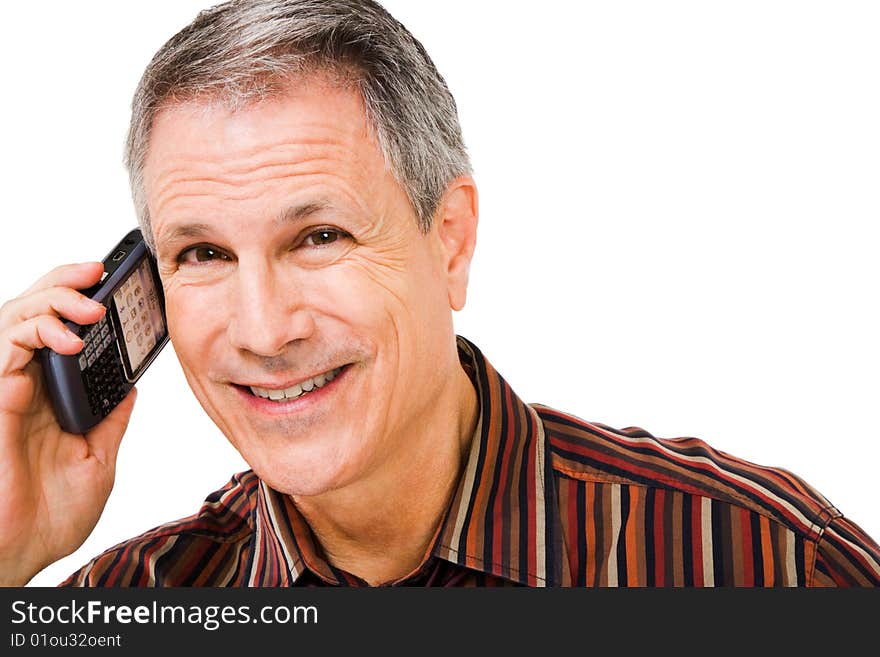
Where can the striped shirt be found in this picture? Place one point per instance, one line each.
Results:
(545, 499)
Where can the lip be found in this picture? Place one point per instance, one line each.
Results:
(299, 405)
(275, 385)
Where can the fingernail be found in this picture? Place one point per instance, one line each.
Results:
(73, 337)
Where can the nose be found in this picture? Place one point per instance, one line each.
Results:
(267, 310)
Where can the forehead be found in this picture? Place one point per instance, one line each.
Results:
(203, 151)
(309, 112)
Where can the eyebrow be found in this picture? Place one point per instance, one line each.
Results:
(181, 232)
(291, 214)
(298, 212)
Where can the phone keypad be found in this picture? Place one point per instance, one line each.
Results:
(101, 370)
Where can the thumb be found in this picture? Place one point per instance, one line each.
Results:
(105, 437)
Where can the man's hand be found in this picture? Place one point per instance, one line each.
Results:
(53, 484)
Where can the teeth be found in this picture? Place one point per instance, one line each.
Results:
(299, 389)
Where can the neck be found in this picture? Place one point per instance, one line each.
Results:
(381, 528)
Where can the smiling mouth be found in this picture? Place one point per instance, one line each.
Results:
(296, 391)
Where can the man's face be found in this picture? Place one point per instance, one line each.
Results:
(294, 269)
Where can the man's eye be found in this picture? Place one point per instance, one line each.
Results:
(198, 254)
(323, 237)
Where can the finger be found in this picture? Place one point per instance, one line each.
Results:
(78, 276)
(18, 342)
(61, 301)
(105, 437)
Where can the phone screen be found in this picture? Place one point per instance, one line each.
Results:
(139, 316)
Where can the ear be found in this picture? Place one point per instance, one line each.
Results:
(456, 224)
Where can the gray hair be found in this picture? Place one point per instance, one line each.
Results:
(242, 51)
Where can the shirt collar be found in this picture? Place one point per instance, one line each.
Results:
(496, 522)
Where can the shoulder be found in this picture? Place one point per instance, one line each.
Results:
(592, 451)
(210, 537)
(689, 514)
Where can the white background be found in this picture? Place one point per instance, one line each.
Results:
(678, 220)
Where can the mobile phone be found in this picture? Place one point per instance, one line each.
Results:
(119, 348)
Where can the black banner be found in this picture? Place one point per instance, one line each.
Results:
(231, 621)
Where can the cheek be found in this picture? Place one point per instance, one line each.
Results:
(351, 294)
(194, 314)
(398, 282)
(403, 312)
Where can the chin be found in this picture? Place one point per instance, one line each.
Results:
(303, 472)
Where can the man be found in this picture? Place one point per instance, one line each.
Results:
(299, 170)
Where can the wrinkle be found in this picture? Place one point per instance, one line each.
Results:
(252, 191)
